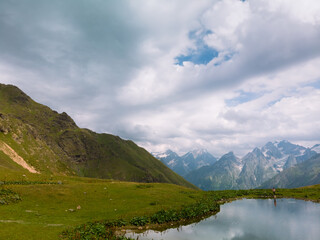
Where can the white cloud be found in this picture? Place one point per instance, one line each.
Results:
(226, 20)
(111, 66)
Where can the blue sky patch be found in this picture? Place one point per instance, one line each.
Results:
(274, 102)
(243, 97)
(203, 54)
(315, 84)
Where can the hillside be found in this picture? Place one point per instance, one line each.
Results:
(303, 174)
(48, 142)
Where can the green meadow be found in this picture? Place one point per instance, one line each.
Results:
(35, 206)
(48, 205)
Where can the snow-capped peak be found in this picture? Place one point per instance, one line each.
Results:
(165, 154)
(198, 152)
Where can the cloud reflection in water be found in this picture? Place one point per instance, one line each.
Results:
(252, 219)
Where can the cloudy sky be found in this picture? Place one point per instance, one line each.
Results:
(221, 74)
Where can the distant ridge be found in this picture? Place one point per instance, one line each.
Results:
(52, 143)
(251, 171)
(188, 162)
(218, 176)
(303, 174)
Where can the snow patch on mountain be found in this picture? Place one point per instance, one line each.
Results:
(198, 152)
(162, 155)
(172, 163)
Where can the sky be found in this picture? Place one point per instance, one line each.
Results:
(221, 75)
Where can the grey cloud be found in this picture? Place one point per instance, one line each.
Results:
(270, 43)
(66, 39)
(81, 51)
(76, 56)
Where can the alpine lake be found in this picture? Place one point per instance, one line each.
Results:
(250, 219)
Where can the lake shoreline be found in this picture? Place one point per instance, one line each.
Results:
(178, 224)
(248, 216)
(217, 198)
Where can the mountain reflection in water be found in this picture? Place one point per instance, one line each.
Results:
(251, 219)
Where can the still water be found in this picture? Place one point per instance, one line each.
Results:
(251, 219)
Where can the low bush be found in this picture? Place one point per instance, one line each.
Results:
(95, 231)
(27, 182)
(144, 186)
(139, 221)
(8, 196)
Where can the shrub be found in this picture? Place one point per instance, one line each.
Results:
(94, 231)
(7, 196)
(139, 221)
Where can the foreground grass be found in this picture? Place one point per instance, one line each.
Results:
(48, 205)
(45, 206)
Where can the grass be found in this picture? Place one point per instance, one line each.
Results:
(46, 209)
(44, 206)
(208, 204)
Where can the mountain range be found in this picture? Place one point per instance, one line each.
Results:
(303, 174)
(188, 162)
(250, 171)
(37, 139)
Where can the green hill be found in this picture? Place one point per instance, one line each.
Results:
(52, 143)
(303, 174)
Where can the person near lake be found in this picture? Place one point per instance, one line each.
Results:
(274, 192)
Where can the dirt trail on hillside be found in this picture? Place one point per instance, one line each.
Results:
(6, 149)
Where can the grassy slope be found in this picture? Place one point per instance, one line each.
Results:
(53, 144)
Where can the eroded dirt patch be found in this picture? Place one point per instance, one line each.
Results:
(6, 149)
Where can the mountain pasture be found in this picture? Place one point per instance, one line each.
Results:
(50, 204)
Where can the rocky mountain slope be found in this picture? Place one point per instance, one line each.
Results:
(221, 175)
(256, 170)
(253, 169)
(303, 174)
(52, 143)
(188, 162)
